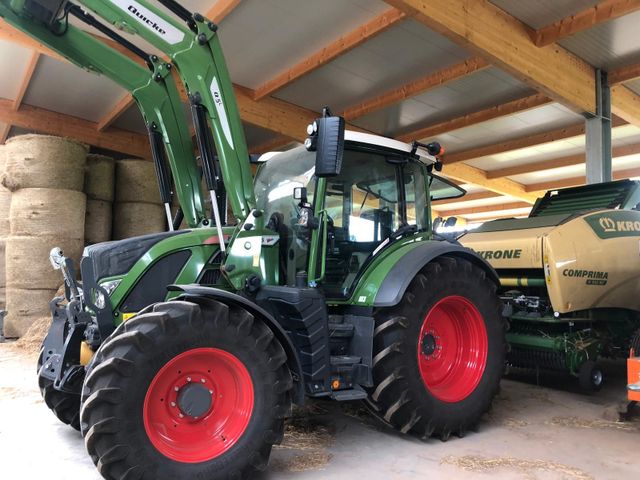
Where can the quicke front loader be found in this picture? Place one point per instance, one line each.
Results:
(181, 353)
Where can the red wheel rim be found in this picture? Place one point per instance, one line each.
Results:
(194, 439)
(452, 349)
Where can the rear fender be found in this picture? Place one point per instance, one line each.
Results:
(195, 292)
(389, 277)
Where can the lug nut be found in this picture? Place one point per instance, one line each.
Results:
(203, 381)
(188, 379)
(173, 404)
(181, 415)
(176, 389)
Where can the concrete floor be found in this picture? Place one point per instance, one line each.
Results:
(532, 433)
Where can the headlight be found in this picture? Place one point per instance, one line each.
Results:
(109, 286)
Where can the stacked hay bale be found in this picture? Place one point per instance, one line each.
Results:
(99, 184)
(137, 209)
(5, 199)
(46, 176)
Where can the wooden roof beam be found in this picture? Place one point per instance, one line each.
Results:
(504, 41)
(54, 123)
(22, 90)
(566, 161)
(428, 82)
(118, 109)
(542, 187)
(624, 74)
(522, 142)
(469, 197)
(330, 52)
(484, 115)
(604, 11)
(221, 9)
(272, 145)
(484, 209)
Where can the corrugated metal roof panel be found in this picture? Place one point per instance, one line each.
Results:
(608, 45)
(65, 88)
(13, 59)
(540, 13)
(625, 135)
(261, 38)
(403, 53)
(479, 90)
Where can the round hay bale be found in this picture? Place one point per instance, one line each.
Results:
(3, 280)
(5, 197)
(97, 221)
(99, 177)
(136, 182)
(133, 219)
(24, 307)
(41, 161)
(47, 211)
(28, 264)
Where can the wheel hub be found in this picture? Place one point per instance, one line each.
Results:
(428, 345)
(194, 400)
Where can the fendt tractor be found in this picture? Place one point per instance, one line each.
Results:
(570, 278)
(180, 354)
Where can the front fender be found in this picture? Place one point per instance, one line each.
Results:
(194, 292)
(387, 278)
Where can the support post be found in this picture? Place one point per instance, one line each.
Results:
(598, 134)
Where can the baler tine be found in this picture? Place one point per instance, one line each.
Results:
(153, 89)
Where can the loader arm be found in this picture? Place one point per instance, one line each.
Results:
(152, 88)
(191, 43)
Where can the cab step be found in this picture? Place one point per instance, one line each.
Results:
(355, 393)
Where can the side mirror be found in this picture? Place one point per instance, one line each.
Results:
(451, 222)
(300, 193)
(326, 138)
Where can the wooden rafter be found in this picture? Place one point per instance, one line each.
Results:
(566, 161)
(473, 118)
(119, 108)
(522, 142)
(221, 9)
(26, 79)
(331, 51)
(4, 132)
(624, 74)
(485, 209)
(469, 197)
(604, 11)
(272, 145)
(428, 82)
(504, 41)
(54, 123)
(575, 181)
(270, 113)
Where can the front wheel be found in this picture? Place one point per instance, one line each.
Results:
(186, 391)
(439, 354)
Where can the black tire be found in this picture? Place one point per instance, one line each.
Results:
(635, 343)
(65, 406)
(590, 376)
(399, 397)
(123, 369)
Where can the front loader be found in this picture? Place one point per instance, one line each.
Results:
(181, 353)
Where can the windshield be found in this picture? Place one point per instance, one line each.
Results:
(441, 188)
(279, 176)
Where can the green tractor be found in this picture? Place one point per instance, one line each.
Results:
(181, 353)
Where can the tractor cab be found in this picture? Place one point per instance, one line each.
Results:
(381, 194)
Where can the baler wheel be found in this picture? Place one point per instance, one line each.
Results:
(186, 390)
(438, 356)
(65, 406)
(590, 376)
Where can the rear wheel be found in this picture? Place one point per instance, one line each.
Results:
(65, 406)
(186, 391)
(439, 354)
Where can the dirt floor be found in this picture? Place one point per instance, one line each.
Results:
(532, 432)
